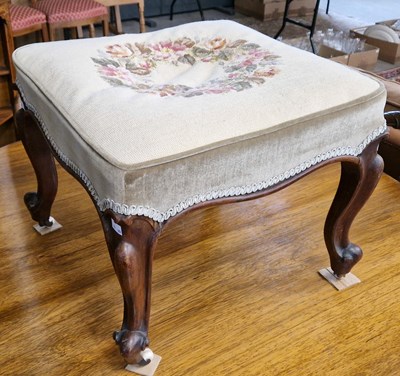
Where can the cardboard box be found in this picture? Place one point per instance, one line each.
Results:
(332, 54)
(274, 9)
(365, 59)
(388, 51)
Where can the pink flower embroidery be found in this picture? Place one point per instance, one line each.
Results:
(117, 50)
(244, 65)
(216, 43)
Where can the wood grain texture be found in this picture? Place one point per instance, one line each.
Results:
(235, 287)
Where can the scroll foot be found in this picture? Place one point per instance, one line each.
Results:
(132, 346)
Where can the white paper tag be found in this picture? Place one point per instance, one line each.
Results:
(44, 230)
(117, 228)
(339, 283)
(148, 370)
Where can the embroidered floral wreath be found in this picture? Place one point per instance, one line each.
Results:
(244, 65)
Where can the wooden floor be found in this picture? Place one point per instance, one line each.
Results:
(235, 288)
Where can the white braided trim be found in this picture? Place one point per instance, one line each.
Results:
(160, 216)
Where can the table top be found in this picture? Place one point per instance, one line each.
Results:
(110, 3)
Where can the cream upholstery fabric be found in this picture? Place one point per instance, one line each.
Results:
(159, 121)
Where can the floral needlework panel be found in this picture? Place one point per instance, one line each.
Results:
(186, 67)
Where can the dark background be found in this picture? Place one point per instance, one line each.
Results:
(155, 8)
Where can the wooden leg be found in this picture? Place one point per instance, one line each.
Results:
(357, 182)
(142, 24)
(45, 33)
(52, 32)
(106, 30)
(117, 16)
(38, 203)
(92, 31)
(79, 32)
(131, 242)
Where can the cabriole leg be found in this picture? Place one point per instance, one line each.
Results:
(131, 241)
(357, 182)
(38, 203)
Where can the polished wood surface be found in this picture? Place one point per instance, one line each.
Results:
(235, 287)
(7, 72)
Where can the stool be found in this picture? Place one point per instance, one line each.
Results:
(156, 125)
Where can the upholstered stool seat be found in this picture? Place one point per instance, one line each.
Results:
(157, 123)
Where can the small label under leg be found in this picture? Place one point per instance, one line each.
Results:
(339, 283)
(147, 370)
(43, 230)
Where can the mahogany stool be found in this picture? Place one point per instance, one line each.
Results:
(156, 125)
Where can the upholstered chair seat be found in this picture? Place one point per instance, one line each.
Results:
(24, 17)
(71, 10)
(26, 20)
(74, 14)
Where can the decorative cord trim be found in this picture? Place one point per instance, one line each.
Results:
(161, 216)
(58, 151)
